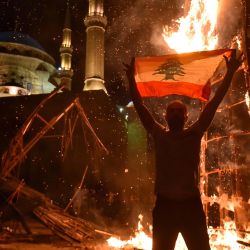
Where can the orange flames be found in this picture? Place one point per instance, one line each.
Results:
(140, 241)
(220, 238)
(197, 30)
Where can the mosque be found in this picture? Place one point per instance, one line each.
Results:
(25, 66)
(27, 74)
(27, 69)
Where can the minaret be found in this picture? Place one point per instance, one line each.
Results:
(66, 50)
(95, 23)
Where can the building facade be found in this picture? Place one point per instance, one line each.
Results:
(25, 67)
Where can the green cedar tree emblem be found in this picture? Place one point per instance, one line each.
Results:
(170, 68)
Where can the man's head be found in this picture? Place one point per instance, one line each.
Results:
(176, 115)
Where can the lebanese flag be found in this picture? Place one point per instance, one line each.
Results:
(189, 74)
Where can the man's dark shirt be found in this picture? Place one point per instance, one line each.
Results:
(177, 162)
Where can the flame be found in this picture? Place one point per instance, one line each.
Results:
(247, 99)
(227, 237)
(220, 238)
(140, 241)
(237, 42)
(197, 30)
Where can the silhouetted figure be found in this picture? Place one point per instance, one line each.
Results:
(178, 205)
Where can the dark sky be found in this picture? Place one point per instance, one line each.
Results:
(132, 24)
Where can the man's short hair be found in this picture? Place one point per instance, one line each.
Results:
(177, 102)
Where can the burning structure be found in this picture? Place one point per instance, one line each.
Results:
(225, 158)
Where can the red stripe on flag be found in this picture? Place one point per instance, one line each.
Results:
(155, 88)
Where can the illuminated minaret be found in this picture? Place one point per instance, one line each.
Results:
(95, 23)
(66, 50)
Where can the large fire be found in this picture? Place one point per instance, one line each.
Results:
(220, 238)
(141, 240)
(197, 30)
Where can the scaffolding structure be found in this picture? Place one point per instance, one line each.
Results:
(221, 171)
(35, 127)
(221, 177)
(21, 144)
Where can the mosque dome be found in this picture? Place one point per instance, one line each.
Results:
(15, 37)
(25, 66)
(22, 44)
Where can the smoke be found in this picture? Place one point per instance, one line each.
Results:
(134, 28)
(229, 20)
(86, 206)
(157, 40)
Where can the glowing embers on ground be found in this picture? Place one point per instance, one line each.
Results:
(220, 239)
(197, 30)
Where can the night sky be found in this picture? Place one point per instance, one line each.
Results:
(134, 28)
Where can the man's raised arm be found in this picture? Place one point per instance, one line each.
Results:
(208, 113)
(144, 114)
